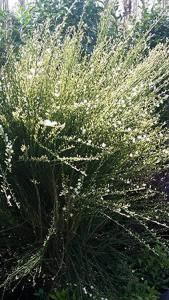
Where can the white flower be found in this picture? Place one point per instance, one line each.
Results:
(8, 200)
(57, 94)
(23, 148)
(49, 123)
(1, 130)
(103, 145)
(83, 131)
(32, 71)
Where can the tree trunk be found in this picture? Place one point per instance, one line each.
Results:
(22, 3)
(127, 7)
(4, 5)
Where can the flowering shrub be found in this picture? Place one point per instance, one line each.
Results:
(79, 142)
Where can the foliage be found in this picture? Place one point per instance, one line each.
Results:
(154, 23)
(154, 269)
(70, 15)
(79, 142)
(9, 34)
(140, 291)
(151, 274)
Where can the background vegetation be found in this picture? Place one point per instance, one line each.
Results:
(84, 153)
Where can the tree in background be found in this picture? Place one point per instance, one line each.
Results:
(70, 14)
